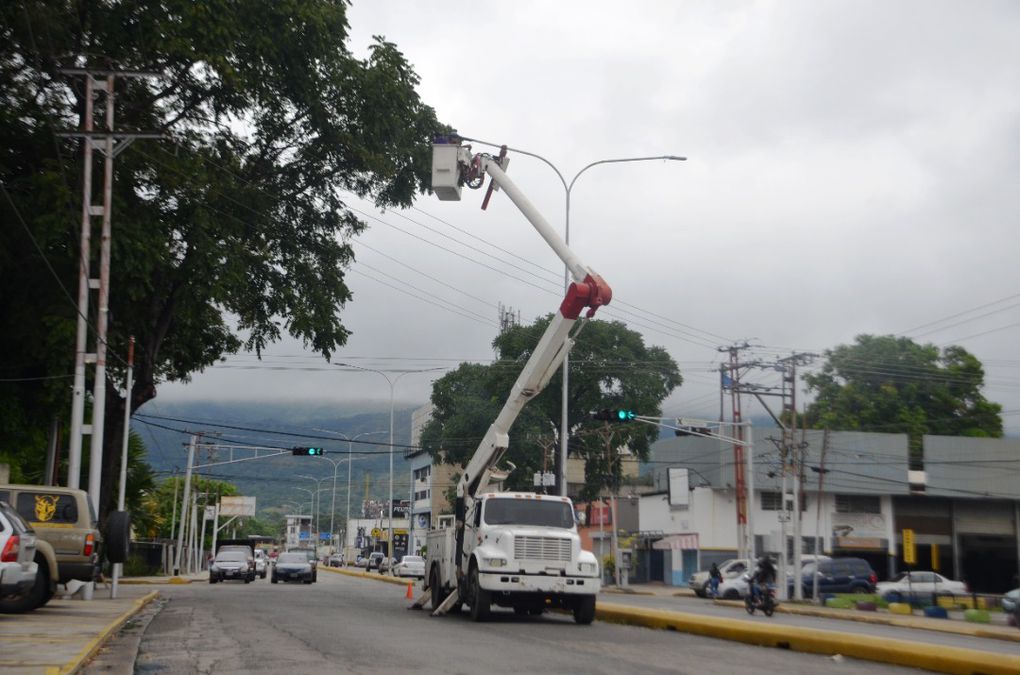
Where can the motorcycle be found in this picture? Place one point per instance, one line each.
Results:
(764, 599)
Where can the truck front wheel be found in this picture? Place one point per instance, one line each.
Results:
(479, 598)
(584, 610)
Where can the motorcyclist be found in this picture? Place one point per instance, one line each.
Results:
(763, 575)
(714, 577)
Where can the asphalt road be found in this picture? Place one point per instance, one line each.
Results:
(709, 608)
(349, 625)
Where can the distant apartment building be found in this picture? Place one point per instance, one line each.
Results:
(430, 481)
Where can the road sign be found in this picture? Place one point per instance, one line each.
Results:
(326, 535)
(909, 552)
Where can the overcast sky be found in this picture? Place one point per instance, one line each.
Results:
(853, 168)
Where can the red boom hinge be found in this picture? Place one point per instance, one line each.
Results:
(593, 293)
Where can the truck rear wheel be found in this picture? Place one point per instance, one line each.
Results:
(584, 610)
(479, 598)
(436, 588)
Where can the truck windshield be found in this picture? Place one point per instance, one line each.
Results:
(540, 512)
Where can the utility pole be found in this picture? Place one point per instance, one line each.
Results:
(818, 515)
(184, 503)
(110, 144)
(745, 538)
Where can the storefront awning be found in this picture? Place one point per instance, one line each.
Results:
(686, 542)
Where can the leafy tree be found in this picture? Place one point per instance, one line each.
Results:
(892, 384)
(610, 367)
(162, 511)
(236, 222)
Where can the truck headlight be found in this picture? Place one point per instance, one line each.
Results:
(586, 567)
(495, 562)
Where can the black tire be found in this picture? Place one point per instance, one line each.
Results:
(117, 540)
(731, 594)
(521, 610)
(584, 610)
(435, 588)
(307, 581)
(37, 597)
(768, 605)
(480, 599)
(212, 580)
(749, 604)
(247, 580)
(274, 580)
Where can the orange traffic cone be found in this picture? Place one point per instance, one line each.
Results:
(410, 593)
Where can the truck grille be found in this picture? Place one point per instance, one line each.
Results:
(542, 548)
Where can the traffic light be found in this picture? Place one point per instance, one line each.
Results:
(307, 452)
(607, 415)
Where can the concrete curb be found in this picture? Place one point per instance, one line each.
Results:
(154, 582)
(399, 581)
(94, 645)
(816, 641)
(916, 622)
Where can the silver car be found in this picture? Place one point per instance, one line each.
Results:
(18, 568)
(410, 566)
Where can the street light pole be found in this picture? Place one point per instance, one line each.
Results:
(568, 187)
(392, 382)
(350, 450)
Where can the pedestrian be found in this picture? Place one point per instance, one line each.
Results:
(714, 577)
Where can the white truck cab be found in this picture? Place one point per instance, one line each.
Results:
(521, 550)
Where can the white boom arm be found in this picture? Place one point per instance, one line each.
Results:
(453, 166)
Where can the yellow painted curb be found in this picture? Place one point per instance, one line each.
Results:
(93, 646)
(368, 575)
(816, 641)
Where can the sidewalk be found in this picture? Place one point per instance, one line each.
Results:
(64, 634)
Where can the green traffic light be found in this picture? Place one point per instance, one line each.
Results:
(624, 415)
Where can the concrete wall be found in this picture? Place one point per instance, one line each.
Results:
(972, 468)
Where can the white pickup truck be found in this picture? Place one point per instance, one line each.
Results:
(522, 551)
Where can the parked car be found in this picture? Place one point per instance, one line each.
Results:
(292, 566)
(336, 560)
(374, 561)
(738, 587)
(1011, 601)
(410, 566)
(909, 586)
(63, 518)
(386, 564)
(261, 563)
(730, 569)
(18, 569)
(838, 575)
(232, 563)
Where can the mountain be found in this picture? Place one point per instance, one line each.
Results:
(236, 426)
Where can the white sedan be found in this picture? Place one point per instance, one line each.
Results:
(916, 585)
(410, 566)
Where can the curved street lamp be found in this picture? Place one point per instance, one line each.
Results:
(392, 382)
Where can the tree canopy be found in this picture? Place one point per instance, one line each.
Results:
(610, 367)
(232, 230)
(894, 385)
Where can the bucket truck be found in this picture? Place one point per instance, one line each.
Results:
(512, 549)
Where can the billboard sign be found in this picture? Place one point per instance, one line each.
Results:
(679, 492)
(237, 506)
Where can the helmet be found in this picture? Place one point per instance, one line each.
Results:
(764, 559)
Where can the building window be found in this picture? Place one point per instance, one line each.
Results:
(858, 504)
(771, 501)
